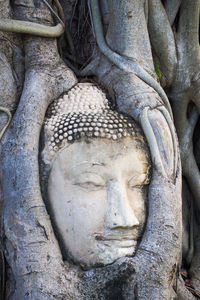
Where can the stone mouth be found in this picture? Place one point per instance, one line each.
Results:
(118, 243)
(117, 237)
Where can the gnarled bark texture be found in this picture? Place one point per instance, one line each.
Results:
(125, 47)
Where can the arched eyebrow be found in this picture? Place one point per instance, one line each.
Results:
(98, 164)
(91, 163)
(142, 176)
(142, 179)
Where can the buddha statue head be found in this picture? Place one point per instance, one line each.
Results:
(96, 168)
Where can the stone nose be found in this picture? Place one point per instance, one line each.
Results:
(119, 213)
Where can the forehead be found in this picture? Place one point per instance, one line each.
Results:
(127, 153)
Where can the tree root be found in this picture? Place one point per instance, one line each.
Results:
(163, 44)
(172, 9)
(155, 153)
(54, 13)
(190, 253)
(127, 65)
(184, 89)
(173, 135)
(5, 110)
(153, 144)
(31, 28)
(2, 274)
(191, 172)
(185, 129)
(182, 292)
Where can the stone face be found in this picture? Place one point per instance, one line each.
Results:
(97, 193)
(98, 174)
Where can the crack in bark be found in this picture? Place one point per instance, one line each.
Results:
(43, 228)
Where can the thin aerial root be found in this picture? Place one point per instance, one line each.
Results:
(2, 273)
(5, 110)
(186, 142)
(53, 12)
(190, 253)
(62, 20)
(173, 135)
(146, 10)
(192, 123)
(91, 18)
(88, 70)
(148, 131)
(192, 175)
(32, 28)
(129, 66)
(60, 10)
(172, 8)
(188, 35)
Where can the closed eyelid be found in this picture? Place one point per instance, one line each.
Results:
(138, 180)
(92, 178)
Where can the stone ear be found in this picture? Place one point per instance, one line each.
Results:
(157, 126)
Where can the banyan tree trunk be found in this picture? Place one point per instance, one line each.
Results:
(32, 75)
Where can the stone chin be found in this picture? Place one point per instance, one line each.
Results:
(103, 254)
(110, 253)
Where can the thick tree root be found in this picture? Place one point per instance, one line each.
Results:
(31, 28)
(2, 274)
(129, 66)
(172, 9)
(163, 44)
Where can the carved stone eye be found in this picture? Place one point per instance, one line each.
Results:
(138, 181)
(90, 185)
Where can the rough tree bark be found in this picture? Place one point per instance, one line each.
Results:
(126, 47)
